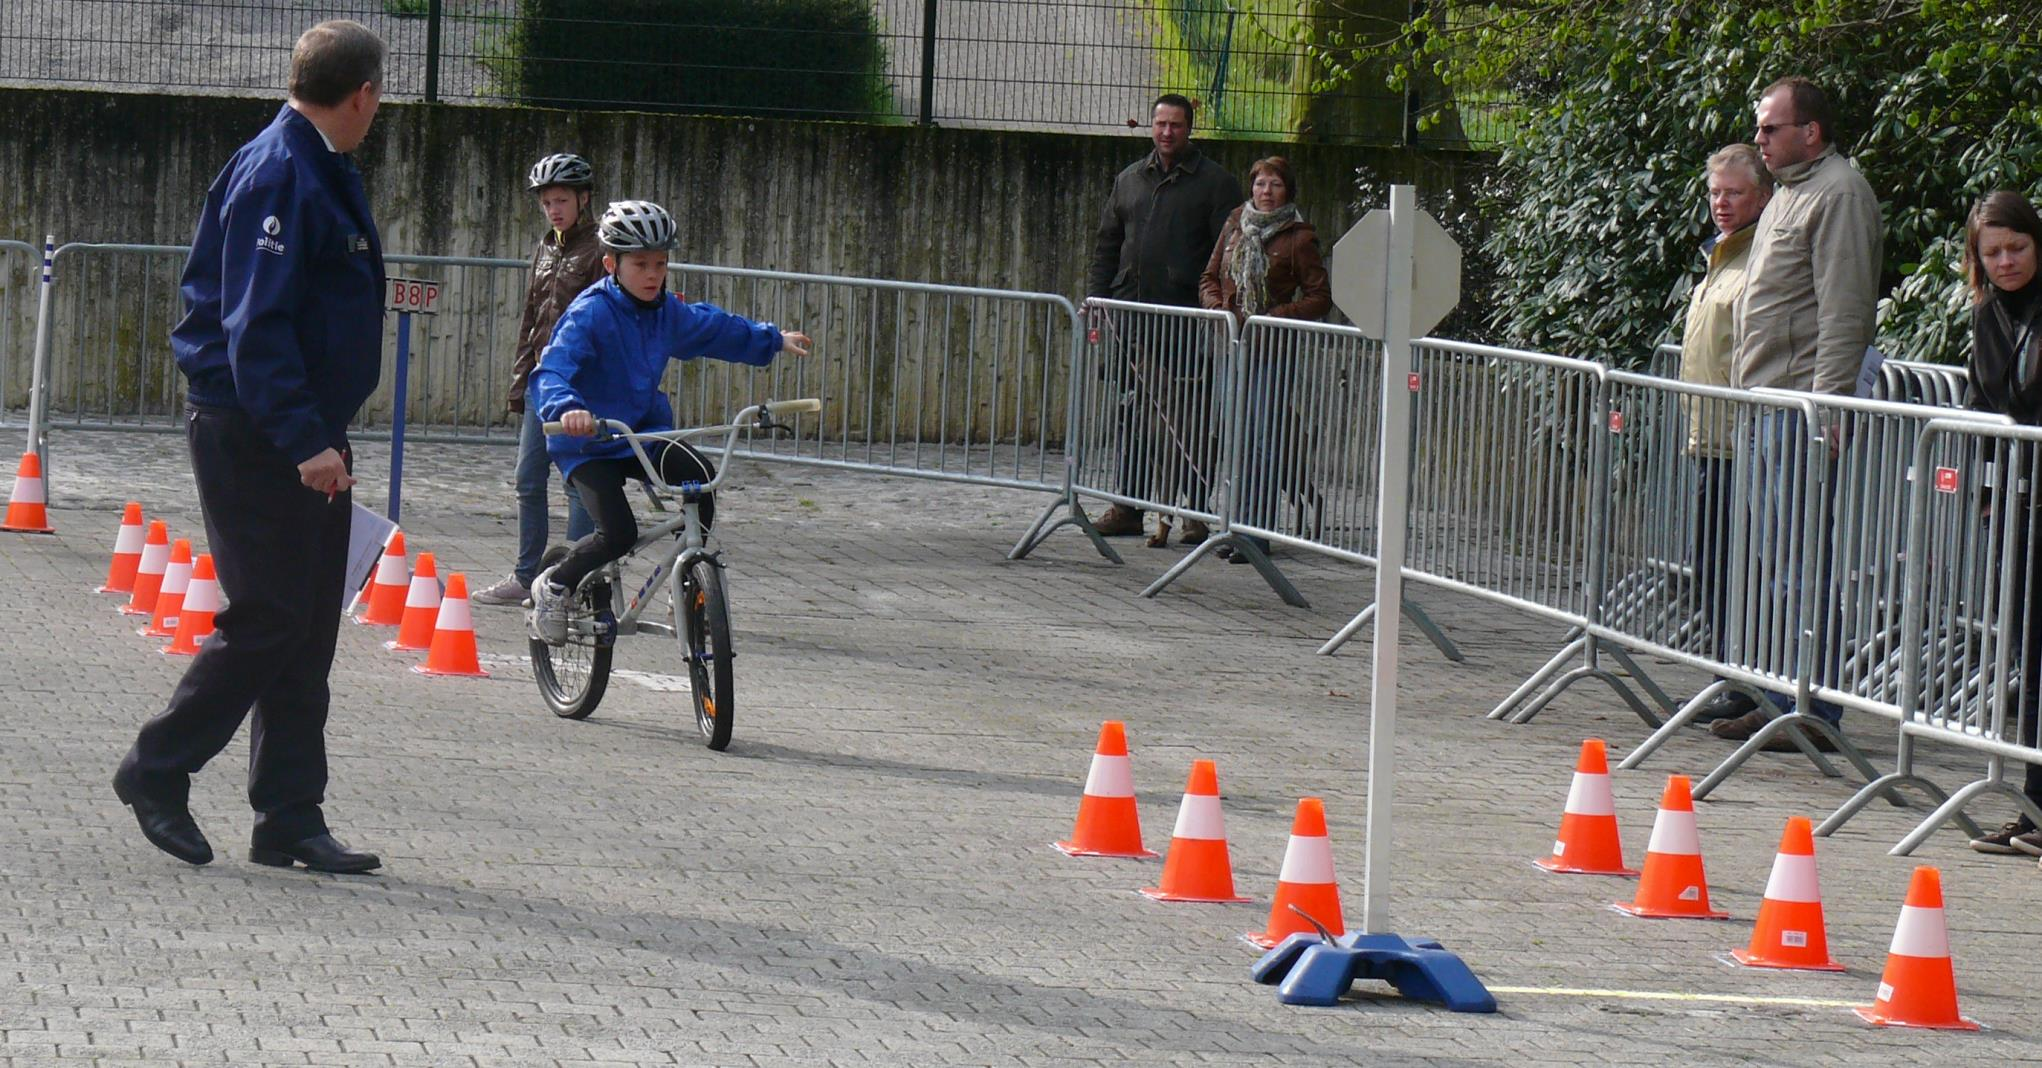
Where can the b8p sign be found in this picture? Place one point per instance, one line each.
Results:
(415, 295)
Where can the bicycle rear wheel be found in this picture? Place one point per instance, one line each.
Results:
(572, 676)
(702, 619)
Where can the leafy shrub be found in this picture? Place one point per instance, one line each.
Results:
(781, 58)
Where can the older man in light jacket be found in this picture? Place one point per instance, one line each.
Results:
(1803, 323)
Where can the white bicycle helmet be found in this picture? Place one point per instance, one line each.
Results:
(637, 226)
(561, 168)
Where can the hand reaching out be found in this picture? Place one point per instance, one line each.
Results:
(796, 342)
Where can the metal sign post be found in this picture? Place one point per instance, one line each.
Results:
(408, 297)
(1396, 274)
(39, 366)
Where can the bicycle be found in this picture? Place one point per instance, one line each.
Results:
(573, 675)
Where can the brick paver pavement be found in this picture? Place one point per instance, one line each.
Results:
(865, 878)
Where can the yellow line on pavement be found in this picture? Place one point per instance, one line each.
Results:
(1669, 995)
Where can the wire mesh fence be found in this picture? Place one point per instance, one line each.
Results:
(1092, 65)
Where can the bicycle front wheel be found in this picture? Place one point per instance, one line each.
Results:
(573, 675)
(702, 619)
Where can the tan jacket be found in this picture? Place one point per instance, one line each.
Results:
(1812, 289)
(562, 266)
(1710, 338)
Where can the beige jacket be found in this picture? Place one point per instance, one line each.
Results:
(1812, 287)
(1710, 338)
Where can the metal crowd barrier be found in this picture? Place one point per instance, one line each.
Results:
(1933, 384)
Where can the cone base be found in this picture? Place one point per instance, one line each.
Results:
(152, 632)
(1870, 1015)
(1157, 893)
(394, 645)
(1640, 911)
(365, 621)
(1753, 960)
(27, 529)
(1559, 867)
(131, 610)
(478, 673)
(1072, 849)
(127, 591)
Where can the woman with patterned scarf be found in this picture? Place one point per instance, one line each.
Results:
(1267, 262)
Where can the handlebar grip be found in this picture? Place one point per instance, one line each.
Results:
(555, 427)
(794, 407)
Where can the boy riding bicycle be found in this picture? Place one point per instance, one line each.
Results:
(607, 358)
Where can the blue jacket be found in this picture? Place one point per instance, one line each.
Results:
(608, 355)
(283, 293)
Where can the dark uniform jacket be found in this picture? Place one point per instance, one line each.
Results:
(1158, 229)
(562, 266)
(283, 292)
(2006, 353)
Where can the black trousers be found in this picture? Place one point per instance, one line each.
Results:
(601, 483)
(280, 551)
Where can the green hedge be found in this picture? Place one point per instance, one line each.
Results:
(791, 58)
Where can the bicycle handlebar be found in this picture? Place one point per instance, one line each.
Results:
(755, 417)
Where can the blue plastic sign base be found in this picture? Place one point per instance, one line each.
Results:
(1308, 970)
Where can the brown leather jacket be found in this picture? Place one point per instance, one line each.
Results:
(1298, 286)
(562, 266)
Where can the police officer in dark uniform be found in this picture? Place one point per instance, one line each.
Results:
(280, 344)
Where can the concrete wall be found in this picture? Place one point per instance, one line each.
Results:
(1007, 210)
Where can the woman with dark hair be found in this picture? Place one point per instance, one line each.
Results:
(2000, 242)
(1267, 262)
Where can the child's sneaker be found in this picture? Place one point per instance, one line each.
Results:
(549, 608)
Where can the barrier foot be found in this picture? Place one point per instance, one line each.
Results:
(1682, 717)
(1659, 696)
(1784, 723)
(1585, 672)
(1529, 686)
(1270, 574)
(1353, 627)
(1952, 809)
(1888, 784)
(1432, 632)
(1308, 969)
(1040, 530)
(1177, 570)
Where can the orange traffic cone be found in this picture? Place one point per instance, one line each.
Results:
(1589, 843)
(453, 645)
(1197, 867)
(195, 616)
(1674, 885)
(421, 608)
(27, 512)
(1108, 825)
(387, 592)
(1790, 932)
(1306, 880)
(176, 577)
(1919, 988)
(127, 552)
(149, 572)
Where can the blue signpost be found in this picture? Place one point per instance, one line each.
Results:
(408, 297)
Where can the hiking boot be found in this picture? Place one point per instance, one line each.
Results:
(1160, 537)
(2014, 839)
(1119, 521)
(1729, 704)
(508, 592)
(1741, 728)
(1780, 743)
(549, 608)
(1195, 532)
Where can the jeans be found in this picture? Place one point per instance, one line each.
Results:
(281, 553)
(1782, 452)
(534, 468)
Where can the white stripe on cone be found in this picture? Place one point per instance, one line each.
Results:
(1920, 933)
(1307, 860)
(424, 592)
(1199, 817)
(390, 570)
(27, 491)
(454, 615)
(1793, 879)
(129, 541)
(1674, 834)
(1110, 776)
(202, 596)
(154, 559)
(1590, 796)
(176, 579)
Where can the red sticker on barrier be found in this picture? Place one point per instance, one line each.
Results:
(1946, 480)
(1092, 337)
(1616, 422)
(1413, 380)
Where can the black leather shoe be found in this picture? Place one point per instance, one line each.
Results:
(321, 852)
(167, 825)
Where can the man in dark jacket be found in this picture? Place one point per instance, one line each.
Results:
(567, 260)
(1155, 235)
(281, 342)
